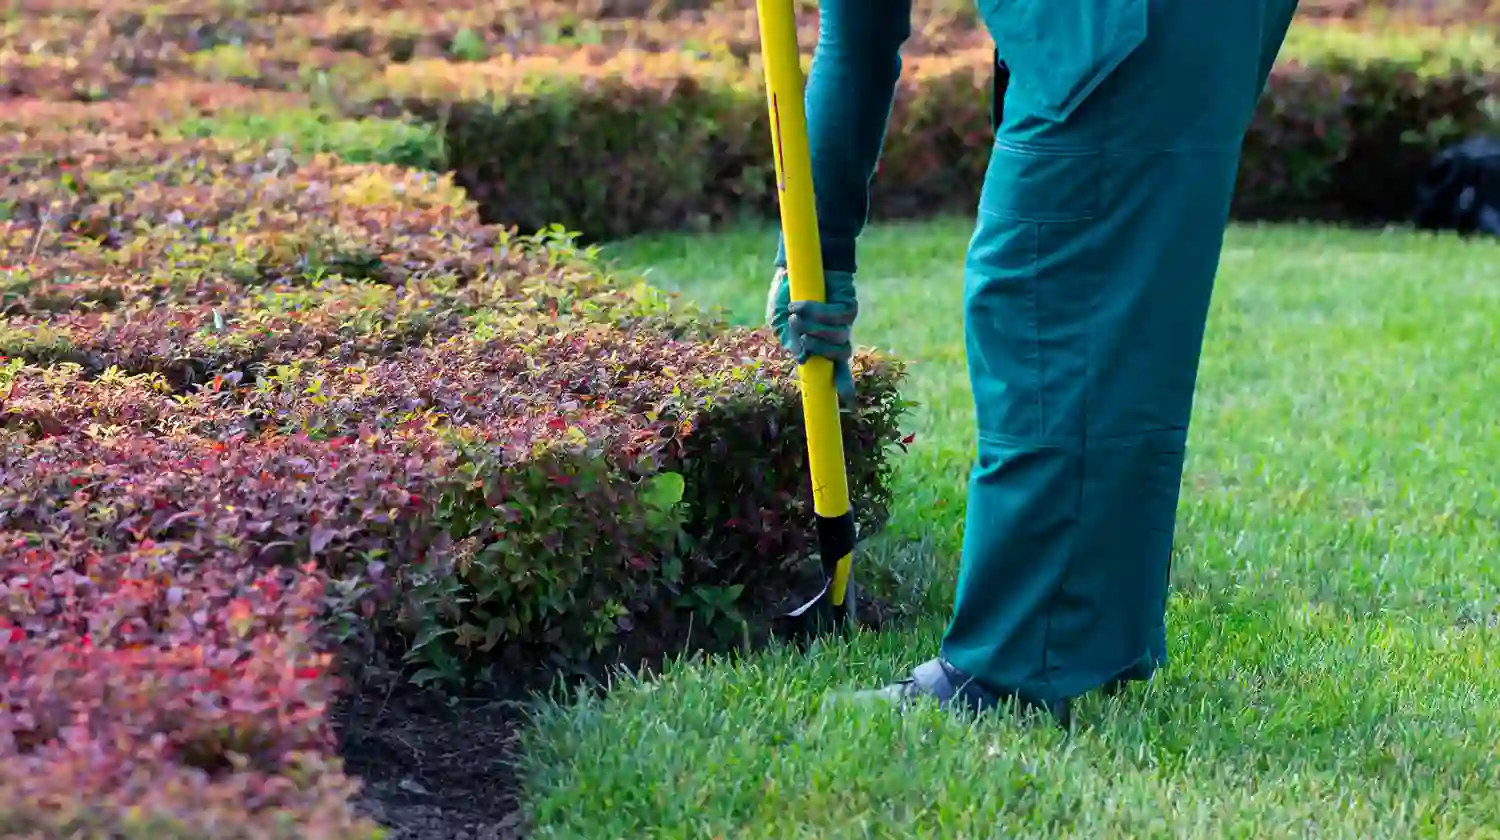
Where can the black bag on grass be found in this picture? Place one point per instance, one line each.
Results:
(1461, 190)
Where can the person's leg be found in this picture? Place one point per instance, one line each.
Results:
(1088, 283)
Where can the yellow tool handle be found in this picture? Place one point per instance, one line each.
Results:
(804, 258)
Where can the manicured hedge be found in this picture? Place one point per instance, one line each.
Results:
(474, 32)
(326, 268)
(1352, 118)
(201, 254)
(145, 109)
(274, 426)
(467, 512)
(620, 118)
(146, 696)
(609, 143)
(618, 141)
(1429, 12)
(569, 422)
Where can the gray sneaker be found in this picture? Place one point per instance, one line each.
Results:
(954, 689)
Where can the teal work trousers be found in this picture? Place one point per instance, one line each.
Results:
(1087, 288)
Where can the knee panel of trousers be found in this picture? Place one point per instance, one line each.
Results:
(1087, 288)
(1033, 274)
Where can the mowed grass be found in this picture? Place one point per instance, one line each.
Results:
(1335, 625)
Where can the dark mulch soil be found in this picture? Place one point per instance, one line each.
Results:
(435, 771)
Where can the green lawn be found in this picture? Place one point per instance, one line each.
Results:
(1335, 622)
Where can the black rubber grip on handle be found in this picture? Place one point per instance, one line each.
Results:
(836, 539)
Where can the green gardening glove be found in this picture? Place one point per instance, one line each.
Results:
(808, 328)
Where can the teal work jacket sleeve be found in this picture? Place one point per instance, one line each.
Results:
(850, 89)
